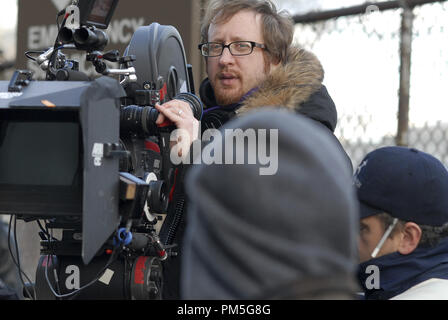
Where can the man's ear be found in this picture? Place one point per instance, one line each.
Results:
(275, 66)
(411, 235)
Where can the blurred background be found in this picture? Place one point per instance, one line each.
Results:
(386, 62)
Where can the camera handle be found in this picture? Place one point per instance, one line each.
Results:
(129, 72)
(44, 59)
(97, 58)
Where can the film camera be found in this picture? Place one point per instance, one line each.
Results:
(85, 158)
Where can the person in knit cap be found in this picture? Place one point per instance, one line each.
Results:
(287, 234)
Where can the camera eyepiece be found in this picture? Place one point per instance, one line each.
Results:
(90, 39)
(66, 35)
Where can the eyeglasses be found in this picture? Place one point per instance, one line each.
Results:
(237, 48)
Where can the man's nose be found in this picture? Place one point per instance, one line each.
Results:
(226, 57)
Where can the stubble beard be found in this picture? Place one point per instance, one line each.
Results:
(230, 95)
(227, 95)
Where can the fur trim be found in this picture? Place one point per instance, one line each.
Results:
(290, 85)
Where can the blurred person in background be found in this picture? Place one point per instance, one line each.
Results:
(289, 235)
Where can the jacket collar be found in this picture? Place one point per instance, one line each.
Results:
(289, 85)
(400, 272)
(208, 98)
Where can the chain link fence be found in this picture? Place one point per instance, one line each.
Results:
(361, 58)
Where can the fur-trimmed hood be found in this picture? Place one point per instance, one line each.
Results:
(295, 85)
(290, 85)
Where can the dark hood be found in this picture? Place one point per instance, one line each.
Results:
(250, 235)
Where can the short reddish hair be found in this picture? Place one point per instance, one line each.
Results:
(277, 27)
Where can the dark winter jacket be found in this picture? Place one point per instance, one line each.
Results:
(420, 275)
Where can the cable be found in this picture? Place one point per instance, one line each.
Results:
(16, 243)
(99, 275)
(45, 231)
(60, 13)
(17, 263)
(50, 239)
(27, 54)
(55, 47)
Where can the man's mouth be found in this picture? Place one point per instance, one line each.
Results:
(227, 79)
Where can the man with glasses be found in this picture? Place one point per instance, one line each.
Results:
(403, 240)
(251, 63)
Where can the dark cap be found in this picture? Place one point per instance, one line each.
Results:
(408, 184)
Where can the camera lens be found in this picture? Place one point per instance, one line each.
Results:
(138, 120)
(149, 118)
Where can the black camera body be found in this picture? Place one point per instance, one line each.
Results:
(86, 157)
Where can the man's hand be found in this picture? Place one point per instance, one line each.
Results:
(179, 112)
